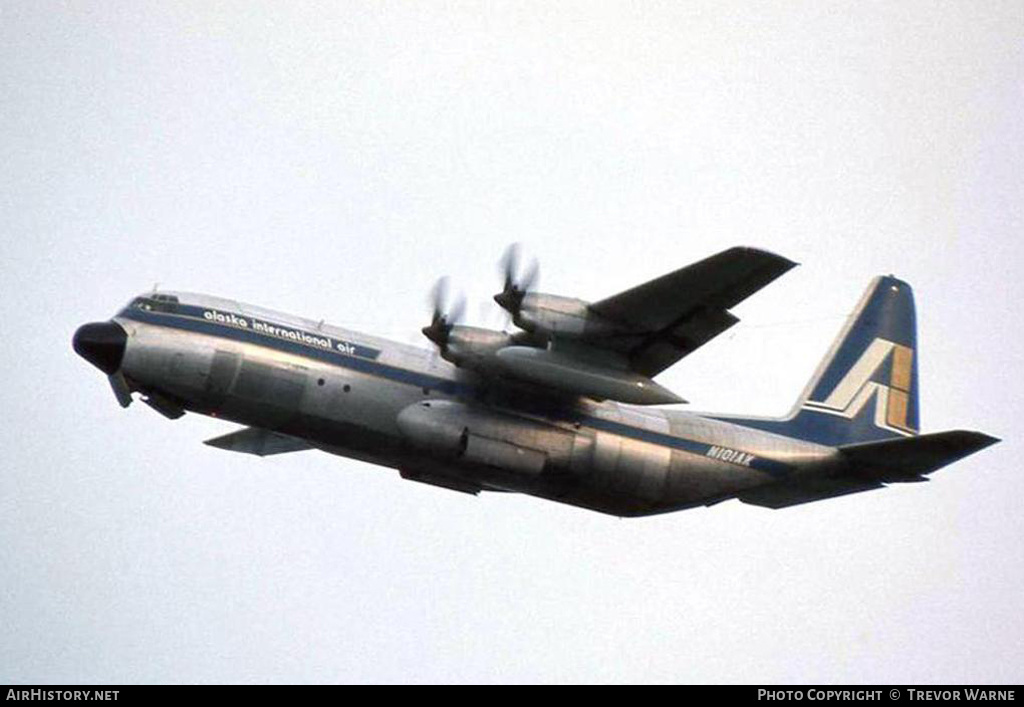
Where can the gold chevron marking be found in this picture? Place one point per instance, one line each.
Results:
(896, 410)
(856, 389)
(902, 358)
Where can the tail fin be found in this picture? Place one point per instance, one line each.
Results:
(866, 387)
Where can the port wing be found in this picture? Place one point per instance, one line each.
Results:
(683, 310)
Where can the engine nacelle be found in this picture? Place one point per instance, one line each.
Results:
(474, 347)
(564, 317)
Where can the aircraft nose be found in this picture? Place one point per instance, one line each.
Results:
(102, 344)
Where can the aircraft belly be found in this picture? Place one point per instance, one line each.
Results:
(632, 470)
(663, 461)
(630, 467)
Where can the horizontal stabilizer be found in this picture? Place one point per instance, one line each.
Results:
(778, 496)
(907, 458)
(872, 465)
(262, 443)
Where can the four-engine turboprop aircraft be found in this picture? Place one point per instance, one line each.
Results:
(561, 409)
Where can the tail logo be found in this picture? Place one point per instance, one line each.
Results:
(857, 388)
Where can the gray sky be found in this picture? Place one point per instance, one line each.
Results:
(334, 159)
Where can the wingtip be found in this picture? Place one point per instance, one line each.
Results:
(987, 439)
(781, 261)
(976, 440)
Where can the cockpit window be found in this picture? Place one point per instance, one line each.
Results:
(157, 303)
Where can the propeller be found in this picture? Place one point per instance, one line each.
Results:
(516, 284)
(445, 314)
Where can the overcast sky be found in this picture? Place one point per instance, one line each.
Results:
(333, 160)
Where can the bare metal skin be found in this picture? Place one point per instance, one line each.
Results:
(475, 425)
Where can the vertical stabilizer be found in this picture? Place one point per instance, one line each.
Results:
(866, 387)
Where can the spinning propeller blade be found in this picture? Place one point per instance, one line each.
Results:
(516, 284)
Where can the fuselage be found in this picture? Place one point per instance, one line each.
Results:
(406, 408)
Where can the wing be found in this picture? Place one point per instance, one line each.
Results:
(254, 440)
(674, 315)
